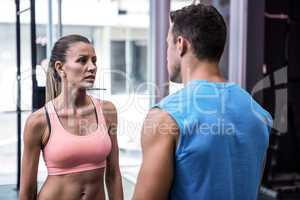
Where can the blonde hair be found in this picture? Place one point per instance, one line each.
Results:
(53, 86)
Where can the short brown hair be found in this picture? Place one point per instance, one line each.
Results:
(204, 27)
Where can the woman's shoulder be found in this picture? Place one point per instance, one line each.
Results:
(36, 123)
(109, 111)
(38, 117)
(106, 106)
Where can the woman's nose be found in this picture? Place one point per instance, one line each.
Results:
(92, 66)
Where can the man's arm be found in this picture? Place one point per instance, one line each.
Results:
(158, 140)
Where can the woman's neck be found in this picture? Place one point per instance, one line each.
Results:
(72, 98)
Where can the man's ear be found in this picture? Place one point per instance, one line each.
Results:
(182, 45)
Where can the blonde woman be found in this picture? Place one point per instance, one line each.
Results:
(75, 132)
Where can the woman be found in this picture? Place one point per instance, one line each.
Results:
(76, 133)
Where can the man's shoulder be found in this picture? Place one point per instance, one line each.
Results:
(171, 100)
(158, 116)
(159, 123)
(257, 110)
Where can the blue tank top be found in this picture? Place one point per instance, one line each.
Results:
(224, 135)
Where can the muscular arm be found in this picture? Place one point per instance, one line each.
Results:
(34, 129)
(158, 144)
(113, 175)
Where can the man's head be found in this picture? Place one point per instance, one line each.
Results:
(199, 30)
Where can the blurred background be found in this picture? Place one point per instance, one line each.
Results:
(129, 37)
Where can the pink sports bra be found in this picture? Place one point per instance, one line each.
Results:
(67, 153)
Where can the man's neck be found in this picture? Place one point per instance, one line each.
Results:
(196, 70)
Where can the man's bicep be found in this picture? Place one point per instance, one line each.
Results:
(155, 176)
(156, 173)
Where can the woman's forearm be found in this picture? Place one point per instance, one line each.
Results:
(114, 186)
(29, 194)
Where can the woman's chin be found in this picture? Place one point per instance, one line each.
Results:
(86, 85)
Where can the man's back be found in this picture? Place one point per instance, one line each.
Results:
(222, 142)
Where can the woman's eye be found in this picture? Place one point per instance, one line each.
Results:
(82, 60)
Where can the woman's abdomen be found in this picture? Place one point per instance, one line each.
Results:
(86, 185)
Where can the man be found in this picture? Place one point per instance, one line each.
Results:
(208, 140)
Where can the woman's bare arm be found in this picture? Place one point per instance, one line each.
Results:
(113, 175)
(35, 127)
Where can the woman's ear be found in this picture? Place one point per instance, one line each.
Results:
(181, 45)
(59, 69)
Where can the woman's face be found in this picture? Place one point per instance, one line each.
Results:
(80, 67)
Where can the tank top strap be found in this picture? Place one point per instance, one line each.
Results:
(54, 121)
(100, 114)
(49, 110)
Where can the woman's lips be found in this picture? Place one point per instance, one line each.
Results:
(90, 78)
